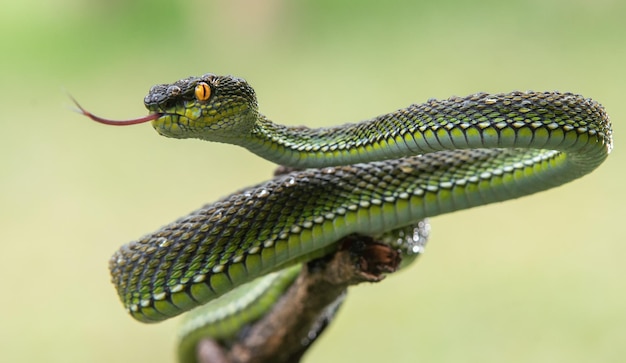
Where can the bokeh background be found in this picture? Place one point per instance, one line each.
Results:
(540, 279)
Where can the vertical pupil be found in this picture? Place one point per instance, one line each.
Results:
(202, 91)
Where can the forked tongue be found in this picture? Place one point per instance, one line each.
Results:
(150, 117)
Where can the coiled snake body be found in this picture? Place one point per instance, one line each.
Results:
(369, 178)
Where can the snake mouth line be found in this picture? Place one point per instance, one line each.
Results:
(102, 120)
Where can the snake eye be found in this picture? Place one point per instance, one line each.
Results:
(202, 91)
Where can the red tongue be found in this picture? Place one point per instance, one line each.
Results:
(150, 117)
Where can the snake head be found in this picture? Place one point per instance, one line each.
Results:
(210, 107)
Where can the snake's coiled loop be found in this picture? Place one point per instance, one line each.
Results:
(368, 178)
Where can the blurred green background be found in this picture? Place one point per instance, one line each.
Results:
(540, 279)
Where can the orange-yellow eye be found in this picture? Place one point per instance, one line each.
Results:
(202, 91)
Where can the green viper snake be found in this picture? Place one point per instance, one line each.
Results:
(372, 177)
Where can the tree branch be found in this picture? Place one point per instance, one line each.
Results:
(303, 312)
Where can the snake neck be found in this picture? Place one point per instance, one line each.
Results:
(304, 147)
(545, 120)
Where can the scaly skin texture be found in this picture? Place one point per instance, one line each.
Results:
(222, 319)
(439, 157)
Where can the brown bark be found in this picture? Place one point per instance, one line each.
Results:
(302, 313)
